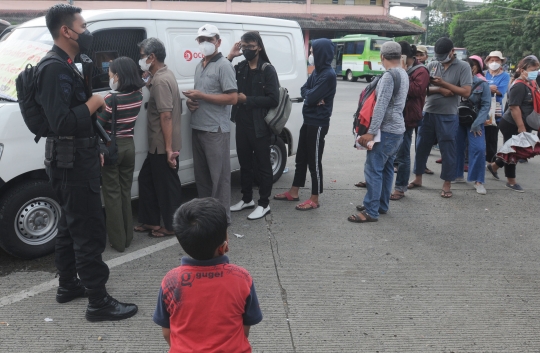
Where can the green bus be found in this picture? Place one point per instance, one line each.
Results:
(357, 56)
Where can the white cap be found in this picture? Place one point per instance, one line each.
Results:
(208, 31)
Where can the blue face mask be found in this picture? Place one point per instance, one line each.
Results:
(532, 75)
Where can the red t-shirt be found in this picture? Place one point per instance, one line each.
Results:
(206, 305)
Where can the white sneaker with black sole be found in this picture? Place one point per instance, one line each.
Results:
(259, 212)
(242, 206)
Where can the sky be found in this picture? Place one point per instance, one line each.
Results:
(403, 12)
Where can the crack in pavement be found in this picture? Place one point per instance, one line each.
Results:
(274, 247)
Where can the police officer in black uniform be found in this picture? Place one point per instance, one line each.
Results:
(73, 165)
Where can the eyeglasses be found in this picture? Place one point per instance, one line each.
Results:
(249, 47)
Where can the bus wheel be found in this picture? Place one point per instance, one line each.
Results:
(350, 76)
(369, 78)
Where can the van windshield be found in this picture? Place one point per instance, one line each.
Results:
(376, 44)
(19, 48)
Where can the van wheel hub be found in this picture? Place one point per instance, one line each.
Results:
(36, 222)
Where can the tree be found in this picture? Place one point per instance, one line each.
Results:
(439, 16)
(412, 38)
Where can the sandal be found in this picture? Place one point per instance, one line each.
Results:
(413, 185)
(361, 208)
(361, 184)
(355, 218)
(396, 197)
(312, 205)
(428, 171)
(159, 233)
(286, 197)
(143, 228)
(446, 194)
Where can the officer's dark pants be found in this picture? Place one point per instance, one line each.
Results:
(81, 235)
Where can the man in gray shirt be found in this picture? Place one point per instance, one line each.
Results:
(210, 104)
(450, 79)
(387, 117)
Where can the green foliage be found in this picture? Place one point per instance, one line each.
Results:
(412, 38)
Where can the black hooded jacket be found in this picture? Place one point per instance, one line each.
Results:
(320, 86)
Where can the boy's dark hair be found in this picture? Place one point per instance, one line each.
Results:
(200, 226)
(254, 36)
(153, 46)
(60, 15)
(128, 74)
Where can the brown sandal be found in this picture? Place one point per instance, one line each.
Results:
(361, 184)
(396, 197)
(355, 218)
(143, 228)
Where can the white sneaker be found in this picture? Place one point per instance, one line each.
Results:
(259, 212)
(480, 189)
(242, 205)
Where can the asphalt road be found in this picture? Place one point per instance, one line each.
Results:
(433, 275)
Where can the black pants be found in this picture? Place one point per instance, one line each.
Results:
(492, 139)
(81, 235)
(160, 191)
(249, 146)
(507, 130)
(310, 151)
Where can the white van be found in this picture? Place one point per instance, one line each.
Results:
(29, 212)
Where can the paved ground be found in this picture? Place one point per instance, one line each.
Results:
(433, 275)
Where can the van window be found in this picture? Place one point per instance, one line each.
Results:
(360, 47)
(280, 52)
(377, 43)
(349, 47)
(108, 45)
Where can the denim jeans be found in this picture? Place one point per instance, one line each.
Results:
(477, 154)
(442, 128)
(379, 173)
(403, 159)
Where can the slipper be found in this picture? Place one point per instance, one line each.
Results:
(361, 184)
(355, 218)
(308, 202)
(446, 194)
(413, 185)
(363, 208)
(396, 197)
(159, 233)
(144, 228)
(286, 197)
(494, 173)
(429, 171)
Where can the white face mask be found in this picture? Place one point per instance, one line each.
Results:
(207, 48)
(494, 66)
(144, 66)
(311, 60)
(112, 84)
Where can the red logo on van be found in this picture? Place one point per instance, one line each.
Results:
(188, 55)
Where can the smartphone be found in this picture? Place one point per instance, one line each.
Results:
(433, 71)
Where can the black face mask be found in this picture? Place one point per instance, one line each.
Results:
(85, 40)
(250, 54)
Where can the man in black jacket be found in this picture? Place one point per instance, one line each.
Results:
(258, 91)
(75, 170)
(318, 93)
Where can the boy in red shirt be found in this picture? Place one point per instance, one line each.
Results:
(206, 304)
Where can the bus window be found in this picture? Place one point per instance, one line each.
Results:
(376, 44)
(349, 47)
(360, 47)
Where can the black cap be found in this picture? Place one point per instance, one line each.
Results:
(443, 47)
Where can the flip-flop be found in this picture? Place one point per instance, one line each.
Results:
(159, 233)
(446, 194)
(286, 197)
(396, 197)
(143, 228)
(413, 185)
(312, 205)
(361, 184)
(429, 171)
(355, 218)
(363, 208)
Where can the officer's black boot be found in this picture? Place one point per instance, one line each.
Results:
(103, 307)
(69, 289)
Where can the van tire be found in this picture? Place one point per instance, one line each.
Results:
(350, 76)
(369, 79)
(32, 201)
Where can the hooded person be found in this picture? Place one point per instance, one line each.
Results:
(318, 93)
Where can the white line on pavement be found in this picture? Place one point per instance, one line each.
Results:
(45, 286)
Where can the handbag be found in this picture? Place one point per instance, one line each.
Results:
(277, 117)
(110, 152)
(467, 111)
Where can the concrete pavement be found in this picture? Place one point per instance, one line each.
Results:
(433, 275)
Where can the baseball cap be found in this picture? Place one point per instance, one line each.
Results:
(208, 30)
(390, 48)
(421, 48)
(443, 47)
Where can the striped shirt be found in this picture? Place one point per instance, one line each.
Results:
(128, 106)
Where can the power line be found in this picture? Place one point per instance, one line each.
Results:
(491, 19)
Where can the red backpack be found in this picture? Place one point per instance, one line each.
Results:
(366, 104)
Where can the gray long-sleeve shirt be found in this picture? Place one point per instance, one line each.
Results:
(388, 113)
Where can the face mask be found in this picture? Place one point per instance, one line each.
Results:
(249, 54)
(144, 66)
(448, 58)
(532, 75)
(207, 48)
(112, 84)
(311, 60)
(494, 66)
(85, 40)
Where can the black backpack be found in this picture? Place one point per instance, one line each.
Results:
(27, 84)
(467, 111)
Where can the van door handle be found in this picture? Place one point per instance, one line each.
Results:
(297, 100)
(146, 106)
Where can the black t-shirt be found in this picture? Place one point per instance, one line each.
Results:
(245, 114)
(519, 95)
